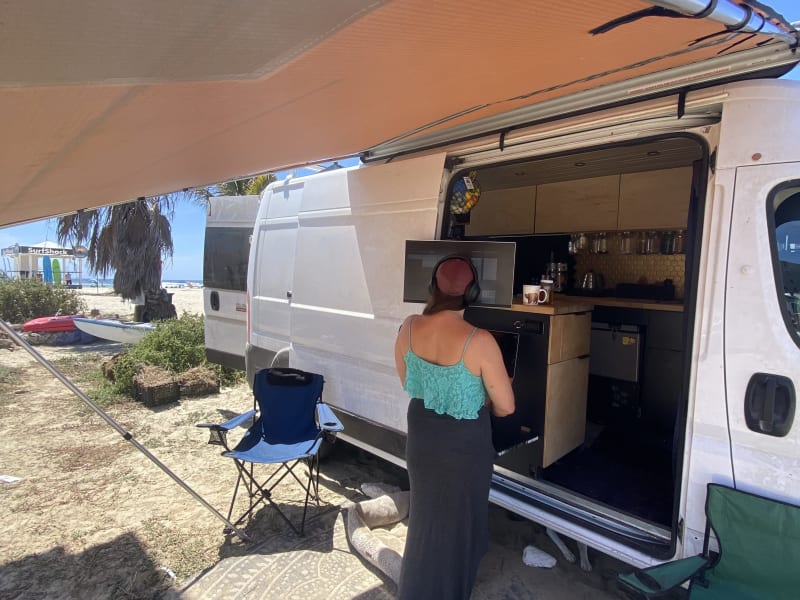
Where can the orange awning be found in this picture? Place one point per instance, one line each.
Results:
(102, 102)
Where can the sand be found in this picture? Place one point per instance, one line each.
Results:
(110, 305)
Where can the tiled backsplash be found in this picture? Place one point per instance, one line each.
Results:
(633, 268)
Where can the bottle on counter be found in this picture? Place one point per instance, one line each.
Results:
(560, 281)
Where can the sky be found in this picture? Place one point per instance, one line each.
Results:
(188, 223)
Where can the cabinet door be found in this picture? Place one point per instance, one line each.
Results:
(579, 205)
(565, 408)
(503, 212)
(655, 199)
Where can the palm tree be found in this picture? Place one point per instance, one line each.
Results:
(131, 240)
(251, 186)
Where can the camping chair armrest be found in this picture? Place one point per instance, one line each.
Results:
(218, 436)
(231, 423)
(328, 421)
(661, 578)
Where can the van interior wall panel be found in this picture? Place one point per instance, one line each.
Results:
(99, 105)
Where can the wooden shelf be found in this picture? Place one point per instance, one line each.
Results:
(665, 305)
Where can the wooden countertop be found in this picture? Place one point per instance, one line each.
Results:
(564, 304)
(665, 305)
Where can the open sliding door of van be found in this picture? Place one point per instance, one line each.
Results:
(762, 330)
(347, 300)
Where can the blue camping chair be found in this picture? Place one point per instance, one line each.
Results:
(290, 422)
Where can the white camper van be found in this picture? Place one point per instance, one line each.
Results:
(229, 226)
(677, 367)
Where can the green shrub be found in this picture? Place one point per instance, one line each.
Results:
(25, 299)
(175, 345)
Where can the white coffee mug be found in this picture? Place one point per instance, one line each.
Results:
(531, 294)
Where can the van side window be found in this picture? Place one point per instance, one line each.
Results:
(785, 213)
(225, 258)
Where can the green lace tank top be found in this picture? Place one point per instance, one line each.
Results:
(445, 389)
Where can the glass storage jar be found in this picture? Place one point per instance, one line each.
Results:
(625, 243)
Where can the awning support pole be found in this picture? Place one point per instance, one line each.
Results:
(114, 424)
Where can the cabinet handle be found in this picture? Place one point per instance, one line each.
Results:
(518, 324)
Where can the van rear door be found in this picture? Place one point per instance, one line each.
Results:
(762, 330)
(229, 226)
(271, 273)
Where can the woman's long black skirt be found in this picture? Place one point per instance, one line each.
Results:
(449, 468)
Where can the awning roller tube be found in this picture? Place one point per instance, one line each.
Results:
(734, 16)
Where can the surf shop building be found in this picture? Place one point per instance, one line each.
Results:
(46, 262)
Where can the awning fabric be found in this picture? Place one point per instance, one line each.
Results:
(106, 101)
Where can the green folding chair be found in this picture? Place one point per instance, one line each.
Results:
(759, 553)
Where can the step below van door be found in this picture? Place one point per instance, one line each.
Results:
(762, 330)
(347, 301)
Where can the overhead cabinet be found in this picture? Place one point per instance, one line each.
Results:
(632, 201)
(655, 199)
(504, 212)
(580, 205)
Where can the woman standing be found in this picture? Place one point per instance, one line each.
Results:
(454, 374)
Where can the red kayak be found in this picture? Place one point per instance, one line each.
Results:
(50, 324)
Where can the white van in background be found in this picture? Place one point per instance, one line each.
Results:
(229, 226)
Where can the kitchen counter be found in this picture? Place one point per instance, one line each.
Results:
(562, 305)
(665, 305)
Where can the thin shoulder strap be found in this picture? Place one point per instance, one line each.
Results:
(410, 321)
(469, 339)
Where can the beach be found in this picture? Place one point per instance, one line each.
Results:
(85, 515)
(110, 305)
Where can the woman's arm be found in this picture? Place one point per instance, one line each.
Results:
(400, 349)
(495, 377)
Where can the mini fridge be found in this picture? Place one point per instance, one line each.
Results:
(614, 367)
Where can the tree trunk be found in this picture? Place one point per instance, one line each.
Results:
(158, 305)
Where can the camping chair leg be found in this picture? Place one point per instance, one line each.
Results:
(253, 489)
(311, 485)
(233, 499)
(316, 480)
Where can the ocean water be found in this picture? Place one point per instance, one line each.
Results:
(172, 283)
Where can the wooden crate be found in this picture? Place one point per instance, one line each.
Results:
(155, 395)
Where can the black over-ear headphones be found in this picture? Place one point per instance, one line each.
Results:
(473, 291)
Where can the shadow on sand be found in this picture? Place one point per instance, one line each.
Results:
(120, 568)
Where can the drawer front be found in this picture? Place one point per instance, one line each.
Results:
(570, 336)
